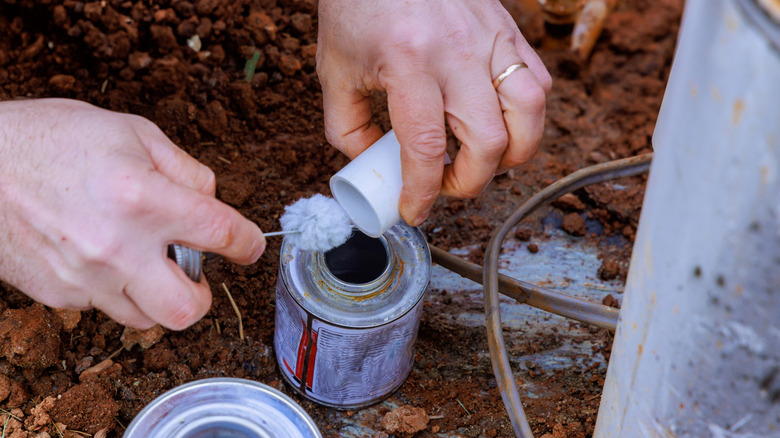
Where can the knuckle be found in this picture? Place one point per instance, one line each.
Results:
(126, 192)
(410, 41)
(545, 80)
(102, 250)
(422, 196)
(458, 187)
(470, 192)
(333, 136)
(532, 99)
(427, 144)
(524, 154)
(494, 141)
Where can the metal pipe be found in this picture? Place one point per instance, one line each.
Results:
(499, 358)
(535, 296)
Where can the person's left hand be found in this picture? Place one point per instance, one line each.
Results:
(436, 59)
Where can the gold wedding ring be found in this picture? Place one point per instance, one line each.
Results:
(508, 71)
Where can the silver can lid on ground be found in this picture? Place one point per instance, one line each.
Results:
(223, 408)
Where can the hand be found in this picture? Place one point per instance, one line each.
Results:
(435, 59)
(90, 200)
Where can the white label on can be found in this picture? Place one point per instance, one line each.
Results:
(343, 366)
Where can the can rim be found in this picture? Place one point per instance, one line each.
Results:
(149, 411)
(400, 234)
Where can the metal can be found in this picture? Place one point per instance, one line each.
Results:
(347, 319)
(188, 259)
(222, 408)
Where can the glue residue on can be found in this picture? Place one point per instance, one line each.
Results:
(347, 319)
(222, 408)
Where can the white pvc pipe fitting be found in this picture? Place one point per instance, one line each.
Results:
(369, 187)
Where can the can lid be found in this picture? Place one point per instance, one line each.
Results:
(223, 408)
(188, 259)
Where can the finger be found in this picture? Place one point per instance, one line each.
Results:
(522, 99)
(416, 111)
(535, 64)
(526, 52)
(123, 310)
(171, 161)
(474, 115)
(168, 296)
(201, 222)
(347, 116)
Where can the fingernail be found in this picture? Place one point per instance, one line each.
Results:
(259, 251)
(421, 217)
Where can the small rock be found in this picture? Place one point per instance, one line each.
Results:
(39, 415)
(289, 64)
(30, 338)
(70, 318)
(569, 202)
(261, 27)
(523, 234)
(88, 407)
(609, 269)
(139, 60)
(144, 338)
(19, 395)
(574, 224)
(5, 387)
(93, 372)
(206, 7)
(611, 301)
(301, 22)
(405, 419)
(93, 11)
(533, 248)
(213, 119)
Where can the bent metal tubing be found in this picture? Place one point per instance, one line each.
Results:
(491, 278)
(535, 296)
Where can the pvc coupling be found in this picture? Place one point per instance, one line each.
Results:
(369, 187)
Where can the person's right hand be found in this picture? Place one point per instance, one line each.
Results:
(90, 200)
(437, 60)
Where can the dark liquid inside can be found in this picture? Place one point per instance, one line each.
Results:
(361, 259)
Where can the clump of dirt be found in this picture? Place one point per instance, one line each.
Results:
(405, 420)
(234, 84)
(30, 338)
(574, 224)
(87, 407)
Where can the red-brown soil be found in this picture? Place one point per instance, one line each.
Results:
(264, 139)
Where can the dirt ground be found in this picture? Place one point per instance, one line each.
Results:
(261, 132)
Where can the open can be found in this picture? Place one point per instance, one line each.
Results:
(222, 408)
(347, 319)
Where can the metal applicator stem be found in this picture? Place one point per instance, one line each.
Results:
(281, 233)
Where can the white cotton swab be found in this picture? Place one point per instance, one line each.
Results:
(317, 223)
